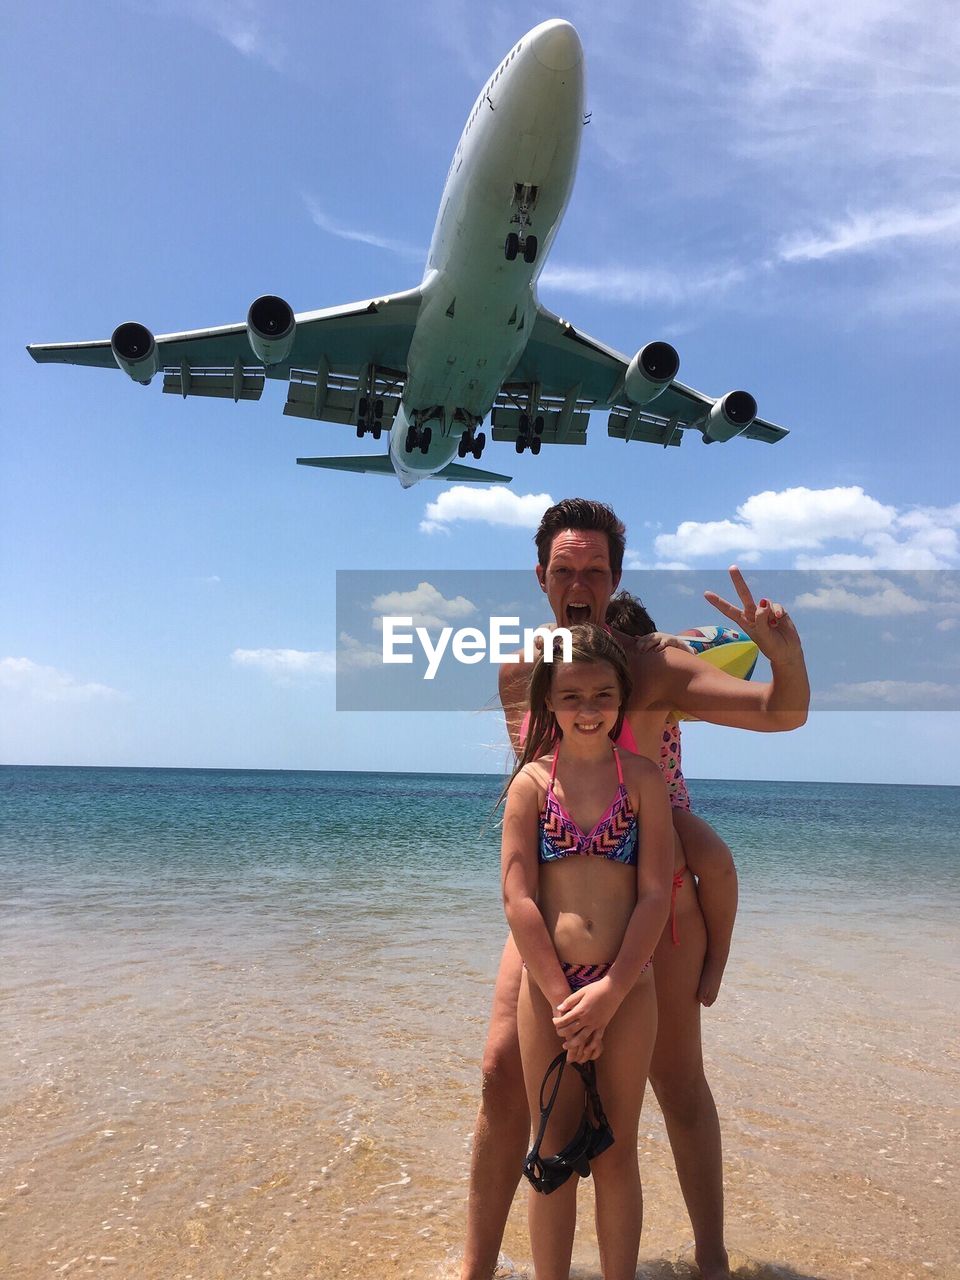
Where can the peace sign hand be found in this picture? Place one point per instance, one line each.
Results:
(767, 624)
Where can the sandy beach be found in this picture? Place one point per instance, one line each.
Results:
(285, 1086)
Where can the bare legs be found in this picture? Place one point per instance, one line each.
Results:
(503, 1126)
(712, 863)
(676, 1074)
(621, 1076)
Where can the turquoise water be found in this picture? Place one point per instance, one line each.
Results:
(241, 1016)
(384, 838)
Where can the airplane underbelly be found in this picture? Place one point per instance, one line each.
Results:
(460, 362)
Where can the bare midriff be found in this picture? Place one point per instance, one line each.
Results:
(586, 903)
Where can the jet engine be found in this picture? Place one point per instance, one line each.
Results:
(271, 328)
(135, 351)
(730, 416)
(652, 369)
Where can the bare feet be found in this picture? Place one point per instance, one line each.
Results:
(718, 1269)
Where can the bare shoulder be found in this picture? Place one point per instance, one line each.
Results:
(657, 673)
(637, 770)
(532, 780)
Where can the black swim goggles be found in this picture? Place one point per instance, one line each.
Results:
(593, 1137)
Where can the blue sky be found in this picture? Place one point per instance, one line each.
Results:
(771, 188)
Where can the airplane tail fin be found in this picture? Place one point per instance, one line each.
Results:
(380, 464)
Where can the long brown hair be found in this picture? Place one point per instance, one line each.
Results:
(590, 644)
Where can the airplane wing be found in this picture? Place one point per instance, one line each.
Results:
(564, 373)
(338, 356)
(380, 464)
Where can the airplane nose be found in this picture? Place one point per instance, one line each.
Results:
(557, 46)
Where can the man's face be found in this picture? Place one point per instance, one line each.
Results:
(578, 580)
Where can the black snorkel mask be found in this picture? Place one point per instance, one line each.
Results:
(592, 1138)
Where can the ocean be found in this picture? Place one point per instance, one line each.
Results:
(242, 1013)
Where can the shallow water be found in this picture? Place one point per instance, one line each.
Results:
(241, 1017)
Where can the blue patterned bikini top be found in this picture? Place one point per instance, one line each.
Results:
(614, 836)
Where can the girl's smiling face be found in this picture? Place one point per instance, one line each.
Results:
(585, 697)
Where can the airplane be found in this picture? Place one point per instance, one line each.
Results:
(428, 364)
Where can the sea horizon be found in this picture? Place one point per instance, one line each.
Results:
(693, 779)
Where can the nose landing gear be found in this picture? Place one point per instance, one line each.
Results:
(525, 197)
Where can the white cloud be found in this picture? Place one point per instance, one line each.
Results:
(615, 283)
(246, 25)
(291, 666)
(858, 233)
(334, 228)
(803, 520)
(948, 624)
(427, 606)
(636, 560)
(886, 599)
(903, 695)
(34, 681)
(494, 506)
(354, 655)
(287, 664)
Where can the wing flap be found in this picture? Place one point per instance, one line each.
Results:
(637, 425)
(328, 396)
(225, 384)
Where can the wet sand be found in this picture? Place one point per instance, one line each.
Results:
(259, 1095)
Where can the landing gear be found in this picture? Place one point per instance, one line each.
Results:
(524, 198)
(471, 442)
(417, 438)
(527, 439)
(369, 418)
(514, 245)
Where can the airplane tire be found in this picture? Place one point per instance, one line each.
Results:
(511, 246)
(480, 441)
(426, 435)
(521, 444)
(462, 447)
(362, 407)
(411, 440)
(535, 444)
(378, 408)
(361, 429)
(524, 423)
(377, 429)
(477, 451)
(530, 249)
(538, 426)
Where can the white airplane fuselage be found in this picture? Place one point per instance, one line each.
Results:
(519, 147)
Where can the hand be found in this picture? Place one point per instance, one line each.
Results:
(710, 978)
(589, 1050)
(768, 624)
(585, 1013)
(657, 641)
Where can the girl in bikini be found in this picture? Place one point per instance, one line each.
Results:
(707, 856)
(587, 862)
